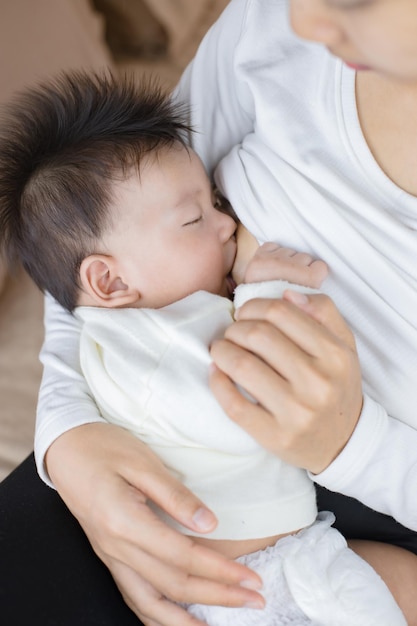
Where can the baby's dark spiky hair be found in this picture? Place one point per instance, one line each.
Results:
(61, 145)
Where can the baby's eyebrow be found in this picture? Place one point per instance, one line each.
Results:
(188, 197)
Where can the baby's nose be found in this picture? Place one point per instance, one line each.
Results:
(228, 227)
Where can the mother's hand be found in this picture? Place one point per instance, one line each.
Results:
(297, 358)
(105, 476)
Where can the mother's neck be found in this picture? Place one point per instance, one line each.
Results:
(388, 115)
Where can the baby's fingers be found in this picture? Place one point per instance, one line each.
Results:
(273, 262)
(318, 271)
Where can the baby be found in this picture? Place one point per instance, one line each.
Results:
(112, 213)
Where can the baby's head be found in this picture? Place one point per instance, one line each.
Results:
(89, 166)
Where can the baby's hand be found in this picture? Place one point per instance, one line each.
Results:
(272, 262)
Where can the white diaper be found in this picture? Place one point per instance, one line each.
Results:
(311, 578)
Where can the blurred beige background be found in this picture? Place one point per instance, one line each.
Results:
(38, 39)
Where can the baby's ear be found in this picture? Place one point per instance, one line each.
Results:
(102, 283)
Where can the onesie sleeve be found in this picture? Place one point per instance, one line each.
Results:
(266, 289)
(381, 448)
(64, 400)
(220, 100)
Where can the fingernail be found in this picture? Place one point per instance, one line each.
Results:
(248, 583)
(204, 520)
(297, 298)
(255, 604)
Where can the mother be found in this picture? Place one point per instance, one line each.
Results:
(319, 153)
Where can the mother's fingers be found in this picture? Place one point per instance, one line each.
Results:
(148, 603)
(169, 614)
(252, 417)
(181, 586)
(323, 310)
(271, 361)
(252, 356)
(310, 334)
(304, 374)
(147, 473)
(171, 580)
(131, 530)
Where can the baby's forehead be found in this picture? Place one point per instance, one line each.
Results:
(161, 156)
(174, 170)
(169, 166)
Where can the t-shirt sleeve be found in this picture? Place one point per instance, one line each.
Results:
(221, 104)
(64, 399)
(381, 451)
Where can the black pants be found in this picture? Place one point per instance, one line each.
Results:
(49, 575)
